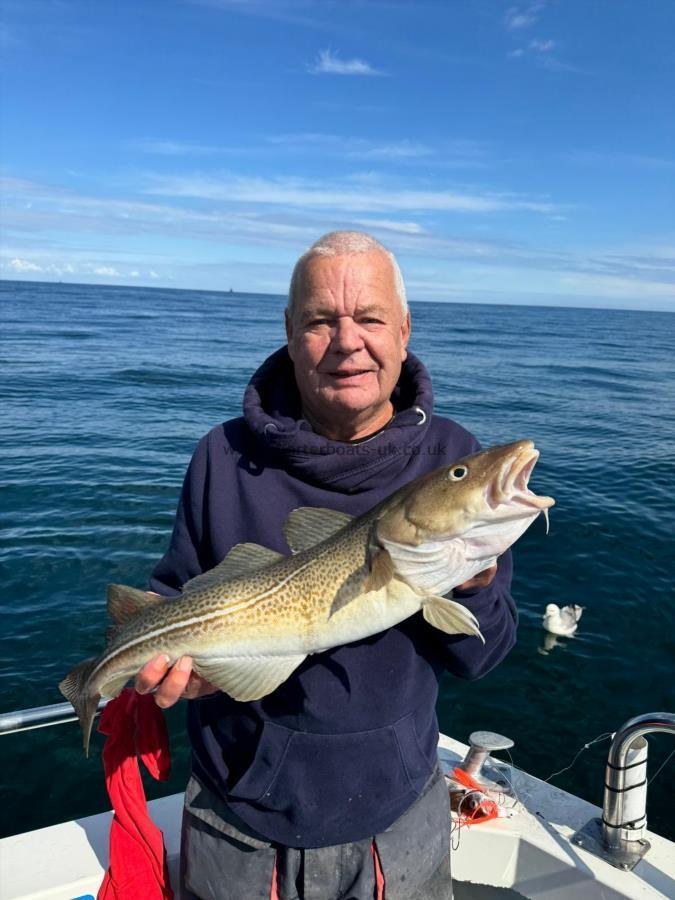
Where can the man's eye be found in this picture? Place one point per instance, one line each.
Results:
(372, 321)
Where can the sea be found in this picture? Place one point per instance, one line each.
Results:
(105, 392)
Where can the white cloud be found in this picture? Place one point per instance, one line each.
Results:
(296, 192)
(540, 51)
(458, 153)
(398, 150)
(542, 46)
(23, 265)
(613, 286)
(525, 16)
(276, 218)
(390, 225)
(329, 63)
(363, 148)
(173, 148)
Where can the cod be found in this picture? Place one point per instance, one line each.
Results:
(249, 622)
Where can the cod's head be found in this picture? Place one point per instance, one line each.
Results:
(483, 498)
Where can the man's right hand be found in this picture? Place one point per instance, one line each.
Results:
(172, 683)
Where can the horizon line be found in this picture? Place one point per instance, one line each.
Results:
(231, 291)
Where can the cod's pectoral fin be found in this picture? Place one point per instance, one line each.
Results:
(379, 571)
(240, 561)
(247, 677)
(450, 617)
(307, 526)
(381, 568)
(125, 602)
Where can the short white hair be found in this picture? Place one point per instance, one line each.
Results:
(344, 243)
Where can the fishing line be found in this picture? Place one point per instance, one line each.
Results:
(509, 781)
(455, 831)
(601, 737)
(660, 767)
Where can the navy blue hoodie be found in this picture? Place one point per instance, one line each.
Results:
(344, 746)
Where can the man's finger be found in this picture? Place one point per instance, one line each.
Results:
(152, 673)
(198, 687)
(171, 689)
(481, 580)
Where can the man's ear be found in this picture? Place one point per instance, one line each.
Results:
(288, 322)
(406, 327)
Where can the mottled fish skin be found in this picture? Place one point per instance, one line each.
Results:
(290, 599)
(247, 633)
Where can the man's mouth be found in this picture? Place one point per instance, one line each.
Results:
(344, 375)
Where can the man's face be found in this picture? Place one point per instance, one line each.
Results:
(347, 339)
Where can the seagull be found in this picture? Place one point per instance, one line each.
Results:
(562, 621)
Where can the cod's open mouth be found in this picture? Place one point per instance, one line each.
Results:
(511, 483)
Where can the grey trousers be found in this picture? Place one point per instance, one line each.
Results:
(223, 859)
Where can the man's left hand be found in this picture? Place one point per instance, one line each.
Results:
(481, 580)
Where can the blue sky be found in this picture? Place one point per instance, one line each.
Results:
(507, 152)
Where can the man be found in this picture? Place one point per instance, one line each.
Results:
(330, 785)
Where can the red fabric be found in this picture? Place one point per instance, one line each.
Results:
(135, 727)
(379, 874)
(274, 892)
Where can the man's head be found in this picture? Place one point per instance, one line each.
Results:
(348, 326)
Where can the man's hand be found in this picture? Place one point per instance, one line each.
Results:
(481, 580)
(172, 683)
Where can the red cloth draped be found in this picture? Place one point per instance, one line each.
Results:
(379, 874)
(135, 727)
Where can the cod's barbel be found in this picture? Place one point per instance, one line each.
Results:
(251, 620)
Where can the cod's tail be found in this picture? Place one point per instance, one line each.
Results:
(74, 688)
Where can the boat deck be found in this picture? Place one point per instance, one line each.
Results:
(528, 854)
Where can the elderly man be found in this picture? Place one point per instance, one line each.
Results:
(329, 787)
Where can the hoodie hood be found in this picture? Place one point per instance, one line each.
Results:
(273, 414)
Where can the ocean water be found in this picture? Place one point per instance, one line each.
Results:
(105, 392)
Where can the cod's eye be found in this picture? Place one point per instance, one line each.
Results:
(457, 473)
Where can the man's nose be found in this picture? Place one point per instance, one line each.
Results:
(347, 336)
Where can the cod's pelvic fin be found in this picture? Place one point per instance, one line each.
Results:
(450, 617)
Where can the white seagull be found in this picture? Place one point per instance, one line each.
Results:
(562, 621)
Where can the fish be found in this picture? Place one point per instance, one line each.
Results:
(249, 622)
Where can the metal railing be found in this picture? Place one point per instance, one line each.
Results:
(619, 836)
(40, 717)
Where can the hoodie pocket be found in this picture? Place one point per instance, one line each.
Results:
(354, 775)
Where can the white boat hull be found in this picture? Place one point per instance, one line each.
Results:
(528, 855)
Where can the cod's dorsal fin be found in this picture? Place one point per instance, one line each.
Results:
(309, 525)
(240, 561)
(450, 617)
(247, 677)
(126, 602)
